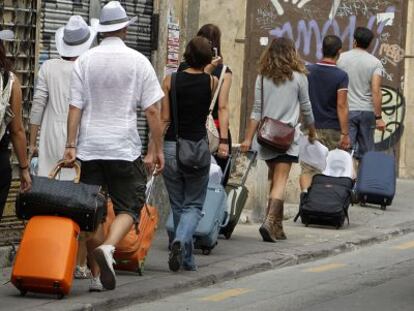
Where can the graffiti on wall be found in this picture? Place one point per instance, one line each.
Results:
(393, 113)
(308, 22)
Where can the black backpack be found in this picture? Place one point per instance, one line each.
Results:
(326, 202)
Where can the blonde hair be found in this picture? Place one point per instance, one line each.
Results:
(280, 60)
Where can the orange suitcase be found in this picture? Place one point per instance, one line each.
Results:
(46, 258)
(130, 253)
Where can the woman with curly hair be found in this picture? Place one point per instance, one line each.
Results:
(283, 87)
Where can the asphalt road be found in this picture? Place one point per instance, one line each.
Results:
(379, 277)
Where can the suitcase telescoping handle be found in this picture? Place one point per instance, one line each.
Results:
(251, 155)
(61, 164)
(150, 185)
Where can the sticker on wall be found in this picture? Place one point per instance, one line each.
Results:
(264, 41)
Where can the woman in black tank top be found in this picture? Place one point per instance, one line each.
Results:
(221, 109)
(14, 133)
(187, 192)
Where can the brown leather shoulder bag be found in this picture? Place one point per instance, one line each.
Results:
(274, 134)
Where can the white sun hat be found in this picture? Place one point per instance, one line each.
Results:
(6, 35)
(313, 154)
(74, 38)
(113, 17)
(339, 164)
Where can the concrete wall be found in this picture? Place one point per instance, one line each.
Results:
(407, 144)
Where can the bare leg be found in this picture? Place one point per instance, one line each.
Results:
(92, 243)
(305, 181)
(119, 228)
(280, 179)
(81, 259)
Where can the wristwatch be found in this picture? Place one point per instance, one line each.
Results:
(378, 117)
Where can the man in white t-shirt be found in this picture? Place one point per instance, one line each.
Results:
(365, 73)
(108, 84)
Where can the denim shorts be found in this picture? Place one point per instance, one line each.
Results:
(125, 182)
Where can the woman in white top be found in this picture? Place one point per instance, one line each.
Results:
(283, 85)
(50, 105)
(50, 101)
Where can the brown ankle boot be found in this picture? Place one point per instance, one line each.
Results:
(267, 209)
(279, 234)
(268, 228)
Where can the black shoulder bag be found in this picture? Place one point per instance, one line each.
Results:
(192, 156)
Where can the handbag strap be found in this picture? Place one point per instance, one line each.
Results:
(174, 107)
(61, 164)
(217, 92)
(262, 97)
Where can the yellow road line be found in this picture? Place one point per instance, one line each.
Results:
(227, 294)
(325, 268)
(404, 246)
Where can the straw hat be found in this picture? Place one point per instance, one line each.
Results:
(113, 17)
(75, 38)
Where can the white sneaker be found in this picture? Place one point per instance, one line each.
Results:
(96, 285)
(82, 272)
(104, 256)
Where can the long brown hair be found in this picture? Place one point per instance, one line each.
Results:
(5, 64)
(212, 33)
(280, 60)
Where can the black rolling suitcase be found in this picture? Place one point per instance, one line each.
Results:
(376, 181)
(237, 192)
(326, 202)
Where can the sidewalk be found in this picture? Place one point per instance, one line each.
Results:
(242, 255)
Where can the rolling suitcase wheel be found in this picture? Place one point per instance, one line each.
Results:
(206, 251)
(23, 292)
(227, 235)
(60, 296)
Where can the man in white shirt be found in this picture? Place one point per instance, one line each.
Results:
(108, 83)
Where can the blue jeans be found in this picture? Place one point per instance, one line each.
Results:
(361, 132)
(187, 194)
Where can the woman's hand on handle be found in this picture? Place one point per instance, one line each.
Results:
(223, 151)
(25, 180)
(246, 145)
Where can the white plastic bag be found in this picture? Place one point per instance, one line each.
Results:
(313, 154)
(339, 164)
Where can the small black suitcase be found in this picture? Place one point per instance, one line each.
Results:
(326, 202)
(376, 181)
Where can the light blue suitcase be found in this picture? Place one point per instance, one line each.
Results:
(215, 217)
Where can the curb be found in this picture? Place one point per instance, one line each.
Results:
(237, 268)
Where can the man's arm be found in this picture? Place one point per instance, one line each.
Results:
(154, 122)
(342, 111)
(377, 100)
(74, 117)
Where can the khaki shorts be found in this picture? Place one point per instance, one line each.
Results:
(328, 137)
